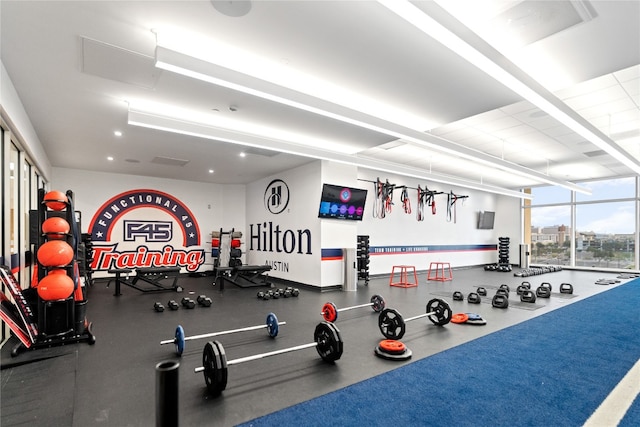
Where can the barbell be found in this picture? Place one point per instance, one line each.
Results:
(179, 340)
(393, 327)
(327, 341)
(330, 311)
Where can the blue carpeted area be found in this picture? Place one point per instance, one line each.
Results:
(555, 370)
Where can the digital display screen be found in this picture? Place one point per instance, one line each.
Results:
(340, 202)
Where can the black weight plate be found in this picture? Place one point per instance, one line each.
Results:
(442, 311)
(215, 368)
(378, 303)
(391, 324)
(329, 342)
(223, 372)
(398, 357)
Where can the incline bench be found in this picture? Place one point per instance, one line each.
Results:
(162, 279)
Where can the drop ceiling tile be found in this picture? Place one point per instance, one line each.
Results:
(594, 98)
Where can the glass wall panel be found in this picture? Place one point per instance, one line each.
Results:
(622, 188)
(605, 235)
(550, 195)
(551, 235)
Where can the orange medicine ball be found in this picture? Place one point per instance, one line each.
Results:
(55, 253)
(55, 200)
(55, 286)
(55, 227)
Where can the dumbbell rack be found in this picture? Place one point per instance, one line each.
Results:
(362, 253)
(503, 254)
(59, 322)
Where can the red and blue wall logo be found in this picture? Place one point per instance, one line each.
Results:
(145, 228)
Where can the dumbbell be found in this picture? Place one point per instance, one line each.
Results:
(179, 340)
(188, 303)
(173, 305)
(294, 291)
(393, 327)
(330, 311)
(327, 341)
(158, 307)
(204, 301)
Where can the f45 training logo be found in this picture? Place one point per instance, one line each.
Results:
(145, 228)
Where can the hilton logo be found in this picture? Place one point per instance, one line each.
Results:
(276, 196)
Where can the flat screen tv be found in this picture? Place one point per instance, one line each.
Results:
(340, 202)
(485, 220)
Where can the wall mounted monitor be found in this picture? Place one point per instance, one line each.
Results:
(485, 220)
(341, 202)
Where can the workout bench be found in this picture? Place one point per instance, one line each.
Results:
(244, 276)
(162, 279)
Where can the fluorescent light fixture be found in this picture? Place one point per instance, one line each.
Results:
(155, 120)
(222, 65)
(482, 55)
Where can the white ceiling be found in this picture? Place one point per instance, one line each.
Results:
(77, 65)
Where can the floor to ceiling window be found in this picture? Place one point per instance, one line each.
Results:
(598, 231)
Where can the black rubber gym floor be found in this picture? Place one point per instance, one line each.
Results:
(113, 383)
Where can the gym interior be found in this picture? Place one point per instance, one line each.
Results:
(353, 290)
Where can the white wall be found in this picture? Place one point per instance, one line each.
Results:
(13, 110)
(273, 238)
(214, 206)
(437, 238)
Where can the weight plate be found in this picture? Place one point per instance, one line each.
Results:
(330, 312)
(442, 311)
(377, 303)
(179, 340)
(459, 318)
(406, 355)
(329, 342)
(392, 347)
(223, 372)
(215, 367)
(272, 325)
(391, 324)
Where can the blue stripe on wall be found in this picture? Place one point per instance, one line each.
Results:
(421, 249)
(331, 254)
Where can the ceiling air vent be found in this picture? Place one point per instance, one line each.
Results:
(168, 161)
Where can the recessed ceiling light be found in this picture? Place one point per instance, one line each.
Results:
(117, 133)
(110, 158)
(210, 170)
(243, 154)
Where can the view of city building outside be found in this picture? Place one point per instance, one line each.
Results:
(605, 225)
